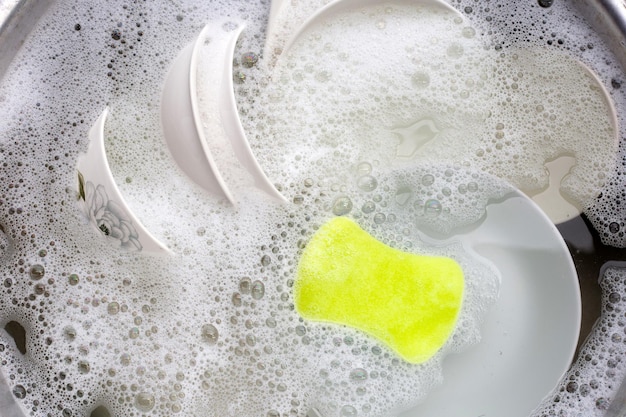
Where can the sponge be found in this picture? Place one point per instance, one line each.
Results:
(409, 302)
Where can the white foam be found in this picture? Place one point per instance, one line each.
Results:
(366, 80)
(316, 128)
(594, 380)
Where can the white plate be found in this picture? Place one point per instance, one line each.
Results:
(530, 335)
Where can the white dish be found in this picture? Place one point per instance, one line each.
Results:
(530, 335)
(551, 200)
(190, 138)
(503, 374)
(102, 201)
(288, 20)
(339, 6)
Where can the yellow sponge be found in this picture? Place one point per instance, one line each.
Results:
(409, 302)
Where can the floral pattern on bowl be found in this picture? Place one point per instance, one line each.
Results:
(102, 202)
(108, 216)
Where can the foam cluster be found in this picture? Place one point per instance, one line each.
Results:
(595, 379)
(404, 130)
(369, 82)
(211, 330)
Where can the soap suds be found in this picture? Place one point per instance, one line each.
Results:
(212, 329)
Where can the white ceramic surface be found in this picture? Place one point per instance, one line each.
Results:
(102, 201)
(288, 19)
(530, 335)
(341, 6)
(553, 203)
(183, 126)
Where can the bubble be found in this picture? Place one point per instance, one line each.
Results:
(39, 288)
(602, 404)
(37, 272)
(258, 290)
(358, 375)
(348, 411)
(432, 208)
(19, 392)
(125, 359)
(322, 76)
(584, 390)
(239, 77)
(367, 183)
(428, 179)
(84, 367)
(245, 285)
(73, 279)
(342, 206)
(144, 402)
(364, 168)
(468, 32)
(455, 51)
(69, 333)
(210, 334)
(420, 79)
(113, 308)
(368, 207)
(249, 59)
(572, 387)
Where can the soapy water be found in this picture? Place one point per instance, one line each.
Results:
(589, 386)
(212, 330)
(369, 82)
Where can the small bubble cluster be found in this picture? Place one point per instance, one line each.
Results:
(595, 378)
(449, 98)
(342, 131)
